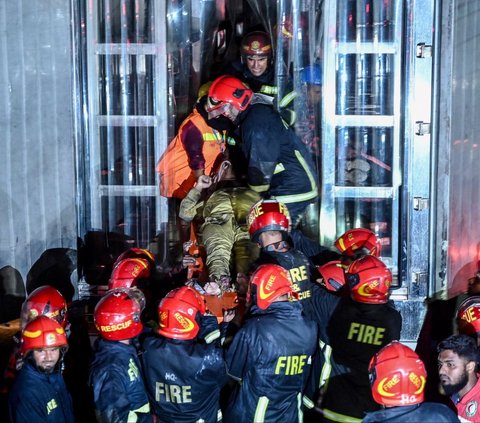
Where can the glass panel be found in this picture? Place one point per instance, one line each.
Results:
(364, 156)
(126, 156)
(125, 21)
(130, 216)
(365, 84)
(371, 213)
(125, 84)
(361, 169)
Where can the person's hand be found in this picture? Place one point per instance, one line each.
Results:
(228, 315)
(203, 182)
(188, 260)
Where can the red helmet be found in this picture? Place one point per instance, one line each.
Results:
(268, 215)
(369, 280)
(45, 301)
(117, 314)
(271, 281)
(468, 316)
(190, 296)
(177, 313)
(397, 376)
(230, 91)
(42, 332)
(333, 275)
(142, 253)
(256, 43)
(128, 271)
(359, 240)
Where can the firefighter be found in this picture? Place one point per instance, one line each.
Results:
(357, 326)
(192, 153)
(271, 353)
(118, 388)
(39, 393)
(458, 359)
(269, 228)
(279, 165)
(398, 377)
(256, 69)
(183, 374)
(43, 301)
(468, 317)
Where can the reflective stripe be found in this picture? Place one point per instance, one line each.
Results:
(327, 367)
(307, 402)
(260, 411)
(299, 408)
(337, 417)
(279, 168)
(292, 95)
(219, 416)
(212, 336)
(259, 188)
(269, 89)
(132, 415)
(298, 198)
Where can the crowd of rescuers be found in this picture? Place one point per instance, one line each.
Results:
(301, 342)
(266, 325)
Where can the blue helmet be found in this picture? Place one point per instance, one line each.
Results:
(311, 75)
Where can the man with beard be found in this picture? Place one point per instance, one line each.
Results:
(457, 368)
(39, 393)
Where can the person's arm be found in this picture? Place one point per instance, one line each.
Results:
(192, 140)
(191, 203)
(112, 401)
(262, 132)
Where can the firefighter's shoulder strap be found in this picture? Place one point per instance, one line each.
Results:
(176, 177)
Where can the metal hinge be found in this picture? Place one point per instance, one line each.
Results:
(424, 50)
(420, 203)
(422, 128)
(418, 277)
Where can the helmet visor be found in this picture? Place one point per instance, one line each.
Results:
(225, 109)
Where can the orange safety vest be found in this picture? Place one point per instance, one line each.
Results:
(176, 177)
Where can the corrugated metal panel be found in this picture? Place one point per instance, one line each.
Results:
(37, 195)
(458, 240)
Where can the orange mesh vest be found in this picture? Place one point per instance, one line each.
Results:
(176, 177)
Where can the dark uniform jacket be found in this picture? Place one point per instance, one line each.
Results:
(356, 331)
(297, 264)
(426, 412)
(279, 164)
(271, 357)
(184, 378)
(118, 387)
(39, 397)
(264, 83)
